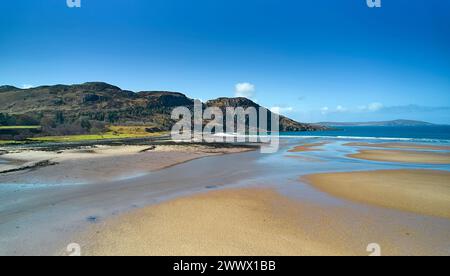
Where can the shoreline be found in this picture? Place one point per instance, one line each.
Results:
(100, 163)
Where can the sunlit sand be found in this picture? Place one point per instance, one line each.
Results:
(421, 191)
(230, 222)
(404, 156)
(398, 146)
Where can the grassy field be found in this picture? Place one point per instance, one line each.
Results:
(12, 128)
(19, 127)
(114, 132)
(10, 142)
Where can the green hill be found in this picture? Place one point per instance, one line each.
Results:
(94, 104)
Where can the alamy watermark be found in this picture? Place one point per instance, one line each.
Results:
(374, 3)
(73, 250)
(374, 249)
(73, 3)
(77, 3)
(237, 125)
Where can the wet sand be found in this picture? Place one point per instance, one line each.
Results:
(97, 163)
(398, 146)
(308, 147)
(424, 192)
(41, 219)
(303, 158)
(403, 156)
(175, 220)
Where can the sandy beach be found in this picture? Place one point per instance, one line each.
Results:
(255, 222)
(404, 156)
(44, 208)
(424, 192)
(398, 146)
(97, 163)
(262, 221)
(149, 200)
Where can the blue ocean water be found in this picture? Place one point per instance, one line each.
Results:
(438, 134)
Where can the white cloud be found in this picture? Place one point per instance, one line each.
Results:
(27, 86)
(244, 89)
(375, 106)
(281, 110)
(324, 110)
(340, 108)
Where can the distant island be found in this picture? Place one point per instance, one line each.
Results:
(380, 123)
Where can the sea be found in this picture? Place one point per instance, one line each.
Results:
(425, 134)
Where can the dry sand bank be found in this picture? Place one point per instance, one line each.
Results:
(403, 156)
(98, 163)
(257, 222)
(229, 222)
(308, 147)
(398, 146)
(424, 192)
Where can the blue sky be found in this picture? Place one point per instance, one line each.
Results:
(318, 60)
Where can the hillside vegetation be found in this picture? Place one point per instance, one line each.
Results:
(96, 107)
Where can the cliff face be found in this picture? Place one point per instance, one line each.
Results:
(103, 102)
